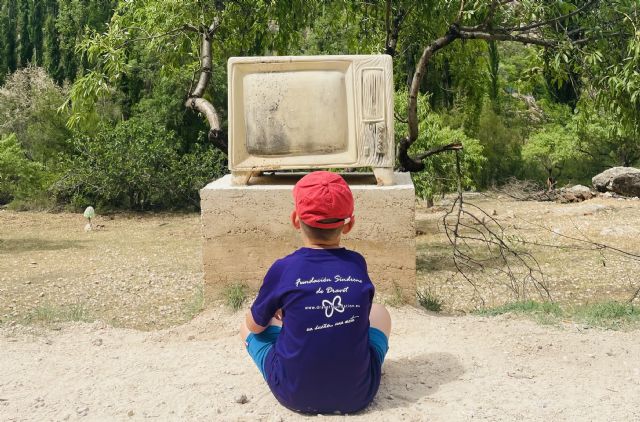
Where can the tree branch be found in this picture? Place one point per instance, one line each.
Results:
(437, 150)
(407, 163)
(393, 29)
(196, 102)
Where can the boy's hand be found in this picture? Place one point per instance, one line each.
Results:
(278, 315)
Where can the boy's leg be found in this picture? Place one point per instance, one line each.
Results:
(379, 318)
(258, 345)
(244, 331)
(379, 330)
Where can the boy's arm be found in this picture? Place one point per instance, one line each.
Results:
(252, 325)
(256, 328)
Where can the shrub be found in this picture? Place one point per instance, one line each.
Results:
(135, 165)
(19, 176)
(429, 301)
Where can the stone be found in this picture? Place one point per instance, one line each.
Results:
(621, 180)
(577, 193)
(241, 399)
(310, 112)
(246, 228)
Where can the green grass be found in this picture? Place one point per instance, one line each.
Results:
(429, 301)
(235, 295)
(611, 314)
(48, 314)
(396, 298)
(195, 306)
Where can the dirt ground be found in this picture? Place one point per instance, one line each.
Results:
(576, 271)
(438, 369)
(100, 326)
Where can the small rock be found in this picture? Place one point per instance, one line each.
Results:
(82, 411)
(97, 342)
(130, 413)
(242, 399)
(192, 337)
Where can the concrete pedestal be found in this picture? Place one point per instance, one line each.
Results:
(246, 228)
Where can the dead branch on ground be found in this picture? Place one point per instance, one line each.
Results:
(480, 243)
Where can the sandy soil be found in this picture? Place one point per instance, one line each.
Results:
(139, 278)
(438, 369)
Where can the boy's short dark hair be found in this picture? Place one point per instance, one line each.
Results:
(320, 234)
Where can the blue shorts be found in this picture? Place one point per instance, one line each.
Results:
(258, 345)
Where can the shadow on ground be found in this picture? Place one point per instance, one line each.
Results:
(408, 380)
(36, 244)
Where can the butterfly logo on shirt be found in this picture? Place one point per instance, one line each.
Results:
(332, 305)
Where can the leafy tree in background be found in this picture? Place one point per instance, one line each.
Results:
(485, 74)
(552, 26)
(28, 109)
(8, 43)
(25, 48)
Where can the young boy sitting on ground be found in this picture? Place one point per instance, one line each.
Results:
(313, 331)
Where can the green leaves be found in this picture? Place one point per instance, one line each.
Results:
(19, 176)
(136, 165)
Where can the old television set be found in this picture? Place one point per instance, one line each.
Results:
(310, 112)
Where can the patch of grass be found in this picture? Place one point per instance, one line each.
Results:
(48, 314)
(429, 301)
(611, 314)
(196, 305)
(77, 312)
(43, 314)
(396, 298)
(235, 295)
(608, 314)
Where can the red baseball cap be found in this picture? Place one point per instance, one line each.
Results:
(323, 200)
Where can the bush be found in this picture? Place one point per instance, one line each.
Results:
(20, 177)
(135, 165)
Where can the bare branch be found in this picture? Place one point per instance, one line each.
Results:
(519, 270)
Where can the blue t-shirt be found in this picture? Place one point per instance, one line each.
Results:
(321, 362)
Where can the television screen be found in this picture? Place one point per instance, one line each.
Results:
(280, 120)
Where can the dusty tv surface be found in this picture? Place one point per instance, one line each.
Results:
(307, 112)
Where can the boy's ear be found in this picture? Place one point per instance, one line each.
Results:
(347, 227)
(295, 220)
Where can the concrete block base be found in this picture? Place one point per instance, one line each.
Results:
(246, 228)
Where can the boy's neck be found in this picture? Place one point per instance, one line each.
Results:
(318, 244)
